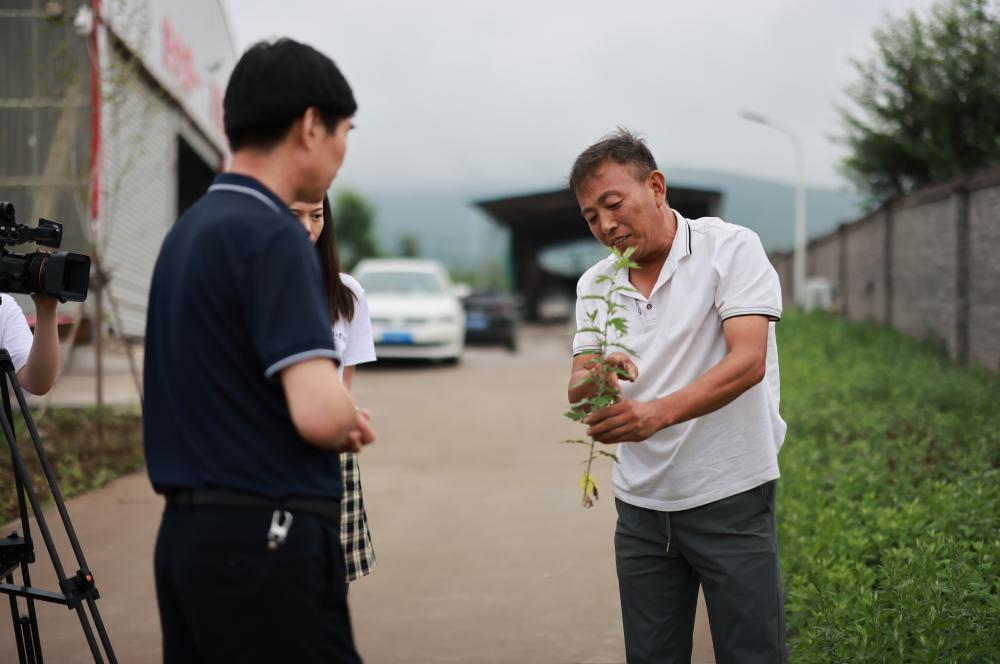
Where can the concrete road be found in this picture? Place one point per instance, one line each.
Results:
(484, 553)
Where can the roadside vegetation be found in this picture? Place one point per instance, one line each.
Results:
(889, 503)
(69, 437)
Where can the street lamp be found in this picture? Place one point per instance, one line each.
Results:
(799, 256)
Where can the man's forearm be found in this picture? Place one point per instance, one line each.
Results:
(579, 387)
(39, 372)
(578, 392)
(732, 376)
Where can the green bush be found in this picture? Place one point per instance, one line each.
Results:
(889, 499)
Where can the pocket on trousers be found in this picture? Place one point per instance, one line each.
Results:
(766, 491)
(629, 517)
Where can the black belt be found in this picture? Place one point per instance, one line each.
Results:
(328, 508)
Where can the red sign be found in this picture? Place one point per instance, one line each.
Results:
(215, 109)
(178, 59)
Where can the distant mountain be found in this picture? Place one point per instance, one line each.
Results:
(449, 228)
(768, 207)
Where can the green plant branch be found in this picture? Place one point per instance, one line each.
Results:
(599, 372)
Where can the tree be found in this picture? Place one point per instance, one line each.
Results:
(929, 100)
(354, 217)
(409, 246)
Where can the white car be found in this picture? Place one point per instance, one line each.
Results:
(414, 309)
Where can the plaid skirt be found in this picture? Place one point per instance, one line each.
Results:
(355, 538)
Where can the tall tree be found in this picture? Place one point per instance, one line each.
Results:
(409, 246)
(928, 101)
(354, 216)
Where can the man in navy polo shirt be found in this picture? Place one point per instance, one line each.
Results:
(244, 412)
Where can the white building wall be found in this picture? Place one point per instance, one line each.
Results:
(138, 186)
(164, 67)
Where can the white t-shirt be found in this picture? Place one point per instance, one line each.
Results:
(353, 339)
(714, 271)
(15, 335)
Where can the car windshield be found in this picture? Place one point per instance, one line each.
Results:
(401, 283)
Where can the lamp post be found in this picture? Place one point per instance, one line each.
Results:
(799, 255)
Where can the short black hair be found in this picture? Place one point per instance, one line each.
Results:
(622, 147)
(272, 86)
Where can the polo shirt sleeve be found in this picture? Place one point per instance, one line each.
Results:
(585, 341)
(15, 335)
(748, 283)
(282, 294)
(360, 346)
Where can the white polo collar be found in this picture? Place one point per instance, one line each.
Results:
(680, 248)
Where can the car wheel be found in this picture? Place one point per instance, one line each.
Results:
(511, 344)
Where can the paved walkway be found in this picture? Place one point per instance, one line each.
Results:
(484, 554)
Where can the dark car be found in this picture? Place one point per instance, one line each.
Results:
(491, 318)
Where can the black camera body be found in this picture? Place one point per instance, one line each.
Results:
(61, 275)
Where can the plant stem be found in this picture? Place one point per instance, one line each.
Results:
(602, 389)
(586, 481)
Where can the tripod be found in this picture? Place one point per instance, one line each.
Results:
(77, 592)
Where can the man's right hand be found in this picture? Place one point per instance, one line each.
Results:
(321, 408)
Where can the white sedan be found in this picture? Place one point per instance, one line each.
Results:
(414, 309)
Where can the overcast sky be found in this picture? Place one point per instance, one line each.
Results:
(501, 96)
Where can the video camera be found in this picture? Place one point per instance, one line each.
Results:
(62, 275)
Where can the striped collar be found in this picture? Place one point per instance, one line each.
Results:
(248, 186)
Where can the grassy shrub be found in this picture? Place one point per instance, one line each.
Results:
(889, 509)
(69, 437)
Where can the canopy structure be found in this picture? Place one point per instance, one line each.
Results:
(549, 219)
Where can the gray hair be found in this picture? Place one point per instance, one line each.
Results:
(622, 147)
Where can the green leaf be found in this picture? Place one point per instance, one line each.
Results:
(602, 402)
(620, 324)
(623, 347)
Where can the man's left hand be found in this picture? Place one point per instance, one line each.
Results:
(44, 304)
(624, 422)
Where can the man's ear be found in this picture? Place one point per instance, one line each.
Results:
(308, 126)
(658, 184)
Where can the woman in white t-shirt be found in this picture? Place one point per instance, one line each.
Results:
(35, 358)
(352, 336)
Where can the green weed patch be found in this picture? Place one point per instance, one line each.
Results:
(889, 503)
(69, 437)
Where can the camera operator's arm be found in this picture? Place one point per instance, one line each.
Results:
(39, 372)
(321, 408)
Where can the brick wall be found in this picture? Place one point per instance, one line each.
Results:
(984, 268)
(865, 285)
(926, 264)
(924, 259)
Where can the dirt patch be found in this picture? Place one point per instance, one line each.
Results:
(69, 438)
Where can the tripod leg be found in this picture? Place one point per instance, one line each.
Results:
(29, 645)
(101, 631)
(27, 631)
(15, 618)
(88, 631)
(32, 625)
(7, 423)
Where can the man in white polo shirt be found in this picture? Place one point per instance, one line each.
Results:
(698, 420)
